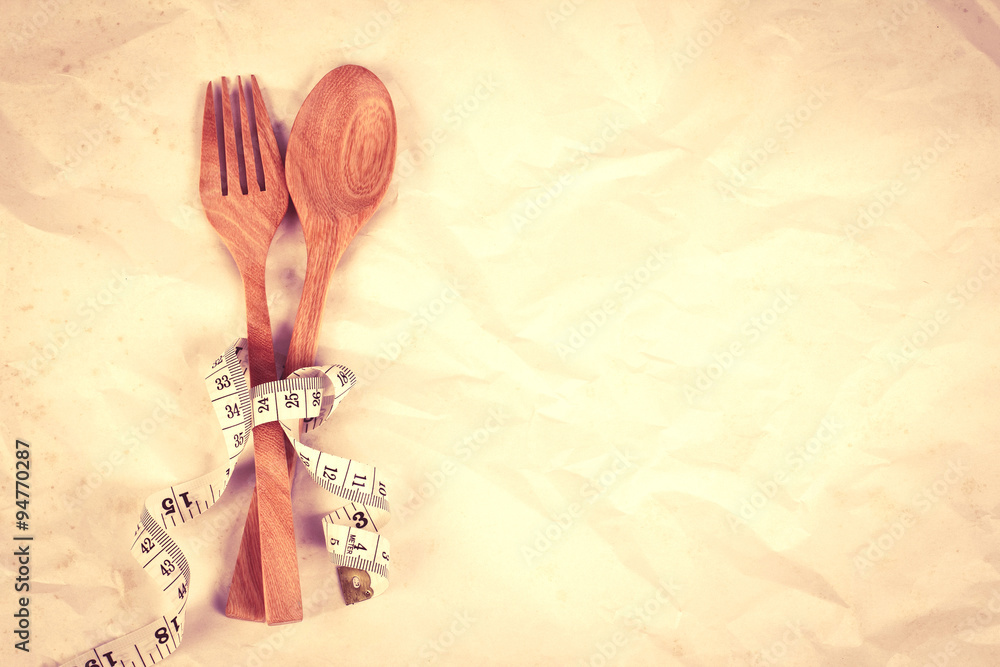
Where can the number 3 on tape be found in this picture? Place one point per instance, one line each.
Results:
(300, 403)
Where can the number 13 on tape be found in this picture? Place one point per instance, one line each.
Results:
(300, 403)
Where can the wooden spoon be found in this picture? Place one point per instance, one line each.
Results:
(339, 162)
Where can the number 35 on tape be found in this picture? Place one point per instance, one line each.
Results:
(300, 403)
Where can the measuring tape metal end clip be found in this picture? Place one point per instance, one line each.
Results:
(300, 404)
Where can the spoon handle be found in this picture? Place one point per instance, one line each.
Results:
(246, 592)
(309, 316)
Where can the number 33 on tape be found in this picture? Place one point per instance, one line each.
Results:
(300, 403)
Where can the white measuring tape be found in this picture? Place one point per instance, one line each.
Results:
(300, 403)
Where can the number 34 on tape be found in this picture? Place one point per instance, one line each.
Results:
(300, 404)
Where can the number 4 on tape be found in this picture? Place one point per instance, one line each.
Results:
(301, 403)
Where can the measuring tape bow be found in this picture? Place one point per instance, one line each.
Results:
(300, 404)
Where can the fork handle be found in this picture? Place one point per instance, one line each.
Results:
(246, 592)
(279, 569)
(246, 600)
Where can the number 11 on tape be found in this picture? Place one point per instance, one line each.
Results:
(300, 403)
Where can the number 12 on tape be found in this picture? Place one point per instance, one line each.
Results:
(301, 403)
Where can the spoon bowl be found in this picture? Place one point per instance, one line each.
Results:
(341, 153)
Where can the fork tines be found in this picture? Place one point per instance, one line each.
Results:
(255, 145)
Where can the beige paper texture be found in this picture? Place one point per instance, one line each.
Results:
(676, 332)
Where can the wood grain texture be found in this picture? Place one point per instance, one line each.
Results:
(341, 154)
(340, 158)
(246, 212)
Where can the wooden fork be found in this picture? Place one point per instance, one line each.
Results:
(246, 221)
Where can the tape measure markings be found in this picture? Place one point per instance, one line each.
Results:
(304, 400)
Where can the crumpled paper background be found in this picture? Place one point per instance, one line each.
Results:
(676, 330)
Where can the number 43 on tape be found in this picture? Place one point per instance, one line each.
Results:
(300, 403)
